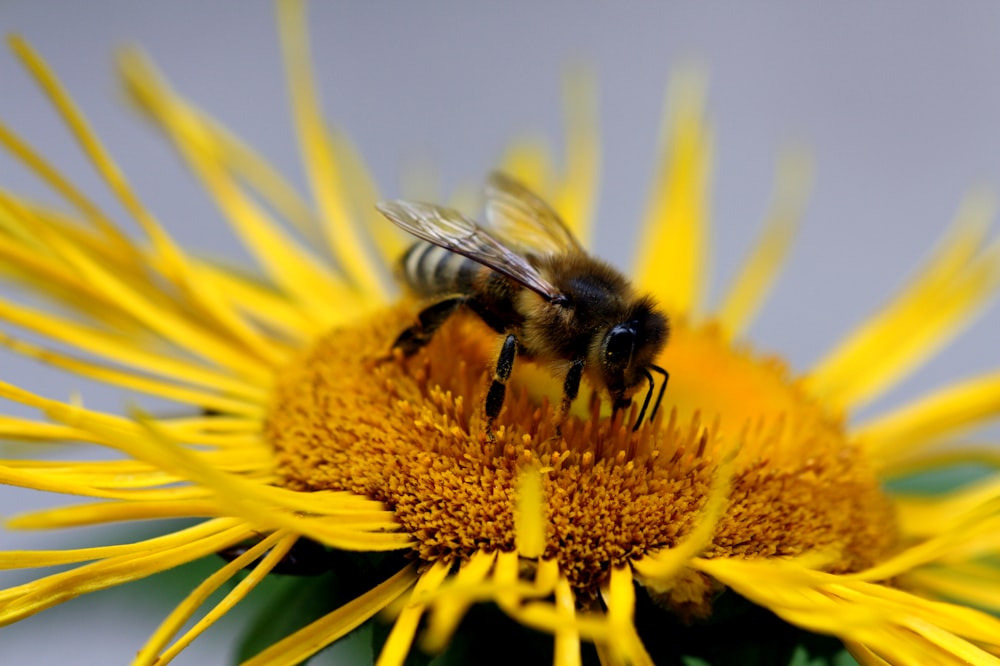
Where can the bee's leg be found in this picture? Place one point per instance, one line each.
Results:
(619, 404)
(649, 394)
(571, 387)
(498, 388)
(429, 321)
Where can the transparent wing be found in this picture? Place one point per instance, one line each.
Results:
(453, 231)
(521, 218)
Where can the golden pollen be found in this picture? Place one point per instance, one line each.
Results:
(347, 415)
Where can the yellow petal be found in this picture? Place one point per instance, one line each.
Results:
(320, 155)
(397, 645)
(286, 262)
(625, 644)
(24, 559)
(458, 593)
(895, 625)
(275, 545)
(103, 513)
(955, 284)
(131, 380)
(673, 259)
(575, 196)
(529, 514)
(19, 602)
(904, 434)
(567, 638)
(174, 262)
(972, 584)
(755, 278)
(308, 641)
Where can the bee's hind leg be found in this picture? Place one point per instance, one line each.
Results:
(498, 387)
(430, 319)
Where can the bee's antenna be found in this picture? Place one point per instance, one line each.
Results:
(649, 394)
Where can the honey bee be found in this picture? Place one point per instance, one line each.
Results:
(526, 276)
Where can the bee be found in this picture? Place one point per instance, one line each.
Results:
(526, 276)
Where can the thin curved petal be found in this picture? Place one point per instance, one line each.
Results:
(673, 259)
(947, 292)
(308, 641)
(753, 282)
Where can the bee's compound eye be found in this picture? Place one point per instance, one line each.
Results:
(619, 344)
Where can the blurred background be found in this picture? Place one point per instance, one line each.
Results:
(898, 102)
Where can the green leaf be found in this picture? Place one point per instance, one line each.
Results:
(940, 481)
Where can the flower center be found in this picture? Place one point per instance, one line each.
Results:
(409, 432)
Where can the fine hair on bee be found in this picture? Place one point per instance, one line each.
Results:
(527, 277)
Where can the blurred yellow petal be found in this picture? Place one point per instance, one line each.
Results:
(529, 514)
(185, 546)
(756, 277)
(397, 645)
(905, 433)
(937, 304)
(323, 168)
(673, 259)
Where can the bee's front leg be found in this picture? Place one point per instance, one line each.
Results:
(619, 404)
(571, 387)
(498, 388)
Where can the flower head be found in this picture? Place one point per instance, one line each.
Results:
(310, 445)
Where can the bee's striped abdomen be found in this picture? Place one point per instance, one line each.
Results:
(430, 270)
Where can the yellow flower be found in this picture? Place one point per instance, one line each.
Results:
(749, 483)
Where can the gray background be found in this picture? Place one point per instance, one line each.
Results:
(899, 101)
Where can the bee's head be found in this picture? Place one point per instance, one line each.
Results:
(630, 347)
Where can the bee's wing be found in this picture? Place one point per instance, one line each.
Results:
(522, 218)
(453, 231)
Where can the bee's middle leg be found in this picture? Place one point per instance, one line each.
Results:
(571, 387)
(498, 387)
